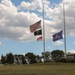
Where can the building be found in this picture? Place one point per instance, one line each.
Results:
(71, 56)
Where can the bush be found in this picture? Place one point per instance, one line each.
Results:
(63, 60)
(33, 61)
(67, 60)
(71, 60)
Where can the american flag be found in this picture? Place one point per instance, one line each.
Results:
(35, 26)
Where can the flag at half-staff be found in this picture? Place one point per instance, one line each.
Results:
(39, 38)
(38, 32)
(35, 26)
(57, 36)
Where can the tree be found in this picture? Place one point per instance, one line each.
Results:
(38, 58)
(57, 55)
(47, 55)
(10, 58)
(23, 60)
(3, 60)
(31, 57)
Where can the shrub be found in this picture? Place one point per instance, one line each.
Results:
(71, 60)
(33, 61)
(63, 60)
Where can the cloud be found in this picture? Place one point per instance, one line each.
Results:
(14, 22)
(74, 42)
(58, 43)
(1, 44)
(29, 6)
(71, 51)
(34, 5)
(49, 47)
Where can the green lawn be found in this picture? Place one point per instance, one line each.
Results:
(39, 69)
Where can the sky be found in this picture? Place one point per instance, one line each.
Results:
(16, 16)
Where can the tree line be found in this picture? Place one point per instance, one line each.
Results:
(28, 58)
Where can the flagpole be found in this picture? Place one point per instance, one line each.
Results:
(64, 28)
(43, 30)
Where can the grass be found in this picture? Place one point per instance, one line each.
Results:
(39, 69)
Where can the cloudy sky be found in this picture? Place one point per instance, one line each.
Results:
(17, 15)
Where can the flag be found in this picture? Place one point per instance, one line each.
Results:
(38, 32)
(57, 36)
(39, 38)
(35, 26)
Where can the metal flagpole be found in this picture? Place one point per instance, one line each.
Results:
(64, 28)
(43, 30)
